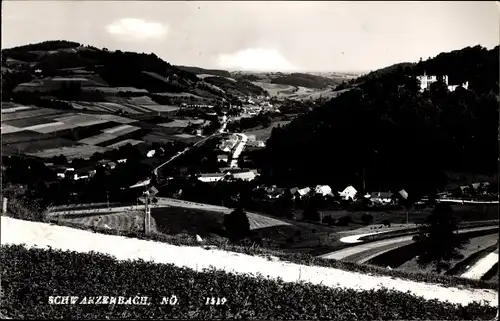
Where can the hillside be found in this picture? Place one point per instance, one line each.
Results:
(305, 80)
(200, 71)
(399, 137)
(309, 80)
(383, 71)
(113, 68)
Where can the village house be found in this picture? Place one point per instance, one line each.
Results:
(381, 197)
(349, 193)
(223, 158)
(81, 173)
(303, 192)
(256, 143)
(246, 175)
(63, 172)
(323, 190)
(274, 192)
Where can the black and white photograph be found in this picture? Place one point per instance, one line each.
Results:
(252, 160)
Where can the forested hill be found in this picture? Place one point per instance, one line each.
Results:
(198, 70)
(398, 136)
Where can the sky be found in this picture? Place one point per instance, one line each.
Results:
(321, 36)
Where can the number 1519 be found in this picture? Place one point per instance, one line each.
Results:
(215, 301)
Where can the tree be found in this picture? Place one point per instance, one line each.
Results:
(237, 224)
(344, 221)
(327, 220)
(311, 212)
(438, 241)
(367, 218)
(60, 160)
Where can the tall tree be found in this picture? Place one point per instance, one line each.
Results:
(438, 241)
(237, 224)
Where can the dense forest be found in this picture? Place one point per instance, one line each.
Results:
(386, 131)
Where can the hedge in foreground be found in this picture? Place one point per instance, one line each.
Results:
(33, 275)
(298, 258)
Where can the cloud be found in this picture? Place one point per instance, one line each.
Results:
(136, 29)
(255, 59)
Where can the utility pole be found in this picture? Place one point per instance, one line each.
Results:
(146, 217)
(107, 198)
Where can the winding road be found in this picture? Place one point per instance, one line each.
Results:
(366, 252)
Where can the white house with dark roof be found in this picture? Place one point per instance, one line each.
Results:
(211, 177)
(348, 193)
(323, 190)
(303, 191)
(246, 175)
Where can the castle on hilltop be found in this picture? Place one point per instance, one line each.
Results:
(427, 80)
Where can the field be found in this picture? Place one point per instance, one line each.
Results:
(81, 151)
(209, 222)
(81, 120)
(264, 133)
(22, 136)
(13, 108)
(94, 140)
(133, 142)
(44, 132)
(115, 104)
(177, 123)
(31, 113)
(122, 221)
(27, 122)
(38, 146)
(133, 134)
(162, 108)
(7, 129)
(299, 92)
(121, 130)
